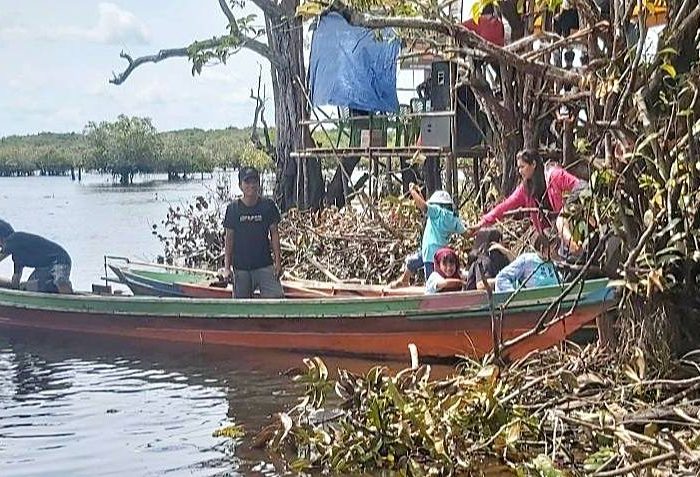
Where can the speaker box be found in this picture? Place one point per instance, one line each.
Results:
(440, 81)
(443, 76)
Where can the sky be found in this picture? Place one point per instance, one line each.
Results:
(57, 58)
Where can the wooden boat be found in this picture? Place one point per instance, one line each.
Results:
(158, 280)
(441, 325)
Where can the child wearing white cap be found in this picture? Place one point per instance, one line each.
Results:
(442, 222)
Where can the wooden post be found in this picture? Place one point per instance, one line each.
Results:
(300, 162)
(450, 159)
(567, 139)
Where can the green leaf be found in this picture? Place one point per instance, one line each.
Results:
(597, 459)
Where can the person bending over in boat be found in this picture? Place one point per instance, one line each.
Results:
(541, 188)
(252, 241)
(50, 261)
(446, 276)
(531, 269)
(488, 255)
(442, 221)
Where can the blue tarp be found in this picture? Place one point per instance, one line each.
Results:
(351, 66)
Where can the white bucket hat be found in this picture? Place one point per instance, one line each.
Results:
(440, 197)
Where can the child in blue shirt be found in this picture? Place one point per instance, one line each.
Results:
(442, 221)
(534, 269)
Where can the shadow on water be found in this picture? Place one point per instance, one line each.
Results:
(70, 403)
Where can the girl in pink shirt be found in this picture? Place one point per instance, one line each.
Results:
(542, 189)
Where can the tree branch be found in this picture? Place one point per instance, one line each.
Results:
(253, 45)
(271, 8)
(466, 37)
(229, 14)
(212, 43)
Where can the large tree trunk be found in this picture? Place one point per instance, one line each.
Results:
(285, 40)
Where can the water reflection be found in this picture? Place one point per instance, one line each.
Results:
(77, 406)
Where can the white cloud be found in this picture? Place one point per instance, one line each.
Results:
(114, 26)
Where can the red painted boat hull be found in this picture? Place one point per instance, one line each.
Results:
(362, 336)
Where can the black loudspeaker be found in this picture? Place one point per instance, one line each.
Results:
(440, 81)
(467, 131)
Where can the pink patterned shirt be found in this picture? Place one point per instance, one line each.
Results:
(559, 183)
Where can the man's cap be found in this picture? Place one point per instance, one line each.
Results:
(248, 173)
(440, 197)
(5, 229)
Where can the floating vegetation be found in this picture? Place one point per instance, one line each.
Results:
(552, 414)
(233, 431)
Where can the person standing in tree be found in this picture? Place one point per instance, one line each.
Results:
(252, 241)
(51, 263)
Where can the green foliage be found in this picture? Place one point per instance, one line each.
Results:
(124, 147)
(404, 422)
(45, 153)
(119, 147)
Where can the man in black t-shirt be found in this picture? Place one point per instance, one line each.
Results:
(51, 263)
(252, 241)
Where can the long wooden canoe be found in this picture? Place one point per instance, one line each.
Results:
(150, 281)
(441, 325)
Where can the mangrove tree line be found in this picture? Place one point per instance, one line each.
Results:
(129, 146)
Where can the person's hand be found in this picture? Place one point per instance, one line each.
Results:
(413, 187)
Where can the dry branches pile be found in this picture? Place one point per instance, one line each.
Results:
(347, 244)
(554, 413)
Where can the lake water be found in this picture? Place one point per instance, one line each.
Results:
(80, 405)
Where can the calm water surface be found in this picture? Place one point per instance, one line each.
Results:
(80, 405)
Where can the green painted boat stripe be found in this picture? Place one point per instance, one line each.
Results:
(300, 308)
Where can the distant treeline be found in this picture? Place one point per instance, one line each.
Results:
(126, 147)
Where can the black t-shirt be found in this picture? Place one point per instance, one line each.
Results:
(251, 232)
(29, 250)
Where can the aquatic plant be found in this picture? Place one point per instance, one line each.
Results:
(561, 412)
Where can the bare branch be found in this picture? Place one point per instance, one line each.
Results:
(133, 64)
(229, 14)
(249, 43)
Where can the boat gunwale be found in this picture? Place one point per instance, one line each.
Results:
(416, 312)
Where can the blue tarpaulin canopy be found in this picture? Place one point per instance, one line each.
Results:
(353, 66)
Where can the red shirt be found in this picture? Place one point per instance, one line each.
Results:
(490, 28)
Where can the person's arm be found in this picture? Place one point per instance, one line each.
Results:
(228, 252)
(513, 201)
(418, 197)
(17, 276)
(431, 284)
(567, 238)
(276, 249)
(507, 278)
(450, 284)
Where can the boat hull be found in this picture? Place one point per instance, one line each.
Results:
(440, 325)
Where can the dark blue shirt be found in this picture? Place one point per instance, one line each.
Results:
(29, 250)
